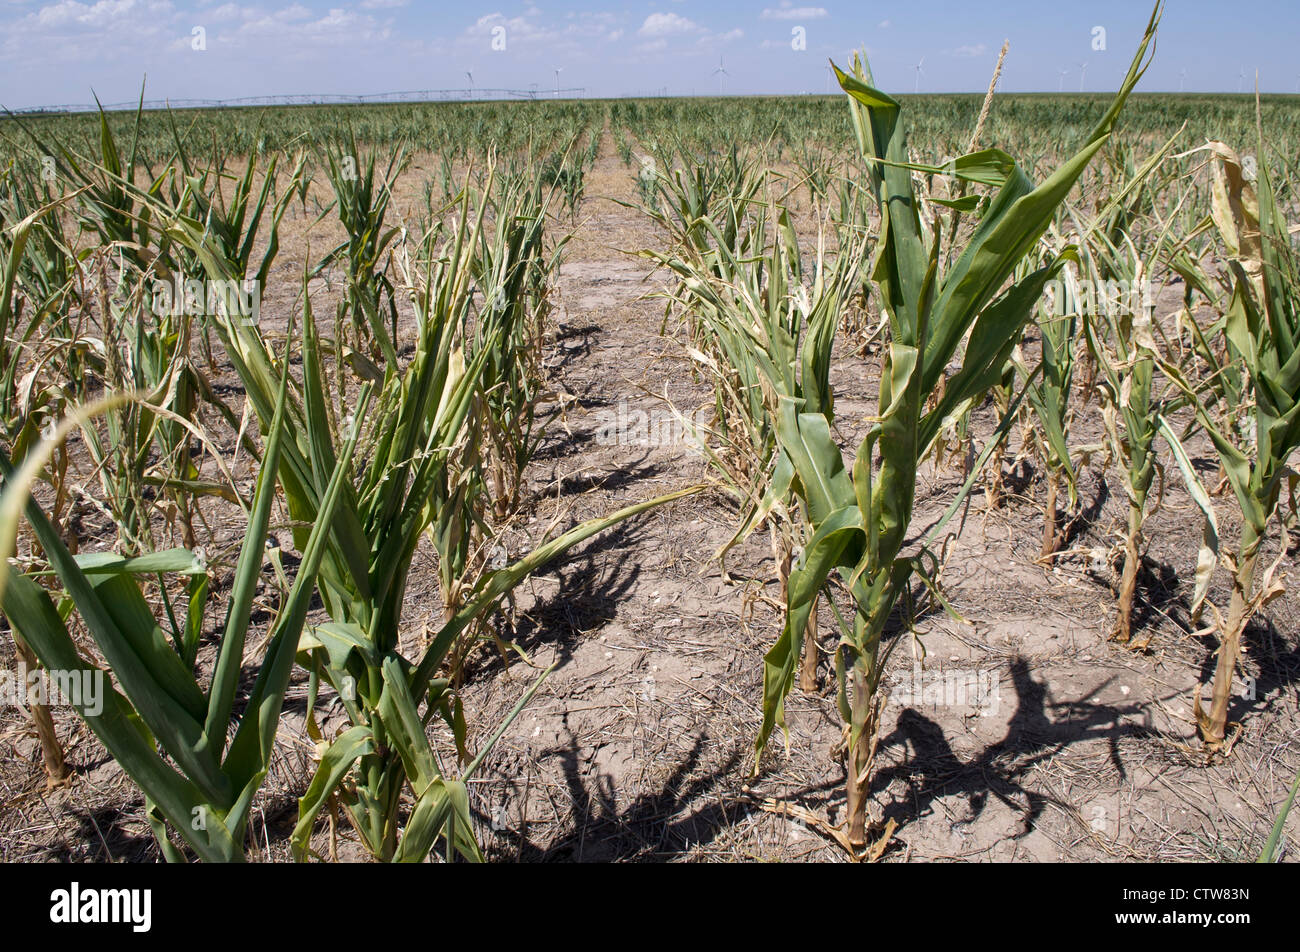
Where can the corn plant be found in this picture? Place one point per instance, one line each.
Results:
(860, 517)
(771, 329)
(1262, 327)
(815, 167)
(419, 473)
(564, 170)
(369, 307)
(850, 216)
(42, 287)
(1049, 399)
(19, 429)
(169, 733)
(685, 191)
(1124, 341)
(423, 422)
(720, 286)
(513, 265)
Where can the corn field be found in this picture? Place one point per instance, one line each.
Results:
(860, 477)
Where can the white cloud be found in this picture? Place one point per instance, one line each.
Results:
(667, 24)
(225, 13)
(787, 12)
(98, 15)
(978, 49)
(560, 37)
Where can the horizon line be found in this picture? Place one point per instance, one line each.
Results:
(501, 94)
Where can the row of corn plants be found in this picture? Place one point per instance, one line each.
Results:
(373, 453)
(770, 358)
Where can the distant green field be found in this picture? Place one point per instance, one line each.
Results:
(1036, 123)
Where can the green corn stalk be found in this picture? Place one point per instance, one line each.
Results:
(1123, 341)
(1049, 399)
(206, 796)
(861, 518)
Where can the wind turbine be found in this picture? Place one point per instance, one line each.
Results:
(1065, 72)
(470, 77)
(919, 73)
(722, 75)
(1241, 80)
(558, 70)
(1182, 79)
(1083, 72)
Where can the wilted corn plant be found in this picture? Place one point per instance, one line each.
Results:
(1262, 329)
(170, 735)
(767, 332)
(1124, 341)
(712, 228)
(20, 427)
(706, 209)
(369, 305)
(860, 518)
(116, 347)
(513, 265)
(682, 192)
(564, 171)
(148, 304)
(1049, 397)
(428, 429)
(42, 291)
(418, 473)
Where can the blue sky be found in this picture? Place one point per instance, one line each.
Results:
(56, 51)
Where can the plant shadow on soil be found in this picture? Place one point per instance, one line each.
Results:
(1032, 737)
(691, 810)
(591, 585)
